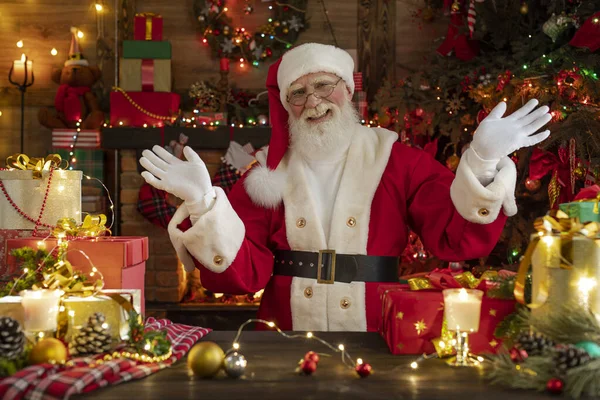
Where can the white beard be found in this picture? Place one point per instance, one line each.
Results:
(319, 141)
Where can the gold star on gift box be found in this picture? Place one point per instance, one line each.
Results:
(493, 343)
(492, 312)
(400, 315)
(420, 326)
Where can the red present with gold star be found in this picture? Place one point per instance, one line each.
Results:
(412, 320)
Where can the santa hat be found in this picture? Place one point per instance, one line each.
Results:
(75, 55)
(295, 63)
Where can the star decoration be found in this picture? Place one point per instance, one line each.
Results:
(227, 46)
(492, 312)
(400, 346)
(493, 343)
(258, 50)
(400, 315)
(295, 23)
(420, 326)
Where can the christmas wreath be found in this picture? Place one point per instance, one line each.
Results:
(287, 21)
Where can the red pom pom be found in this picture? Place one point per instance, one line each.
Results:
(363, 369)
(308, 366)
(555, 386)
(312, 356)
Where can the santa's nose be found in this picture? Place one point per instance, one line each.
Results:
(312, 101)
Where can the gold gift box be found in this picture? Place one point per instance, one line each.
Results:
(80, 309)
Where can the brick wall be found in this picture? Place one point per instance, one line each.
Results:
(166, 280)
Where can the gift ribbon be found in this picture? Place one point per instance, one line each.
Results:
(440, 279)
(93, 225)
(556, 224)
(149, 16)
(147, 75)
(36, 164)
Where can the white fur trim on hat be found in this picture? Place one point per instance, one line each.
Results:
(314, 57)
(82, 62)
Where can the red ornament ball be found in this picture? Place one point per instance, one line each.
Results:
(363, 370)
(312, 356)
(216, 32)
(269, 51)
(532, 184)
(308, 366)
(518, 355)
(555, 386)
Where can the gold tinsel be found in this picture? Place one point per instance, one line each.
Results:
(553, 189)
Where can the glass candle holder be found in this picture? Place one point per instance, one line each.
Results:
(462, 311)
(41, 309)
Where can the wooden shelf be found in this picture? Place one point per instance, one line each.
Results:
(199, 138)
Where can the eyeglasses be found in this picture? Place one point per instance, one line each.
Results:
(321, 90)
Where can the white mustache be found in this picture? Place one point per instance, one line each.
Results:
(319, 110)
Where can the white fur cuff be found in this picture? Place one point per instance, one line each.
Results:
(480, 204)
(214, 240)
(265, 186)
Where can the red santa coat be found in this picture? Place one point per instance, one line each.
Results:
(386, 187)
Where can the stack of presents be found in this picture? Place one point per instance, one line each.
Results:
(40, 208)
(144, 98)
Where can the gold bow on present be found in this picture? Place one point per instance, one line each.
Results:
(93, 225)
(555, 226)
(36, 164)
(443, 279)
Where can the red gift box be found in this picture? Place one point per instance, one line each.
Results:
(147, 26)
(120, 259)
(139, 108)
(411, 320)
(8, 273)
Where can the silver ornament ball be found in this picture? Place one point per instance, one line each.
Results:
(235, 364)
(262, 119)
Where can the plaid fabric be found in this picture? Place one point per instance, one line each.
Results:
(153, 205)
(91, 162)
(226, 177)
(47, 381)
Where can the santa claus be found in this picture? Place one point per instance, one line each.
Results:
(321, 222)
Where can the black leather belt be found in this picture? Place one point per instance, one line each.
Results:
(326, 266)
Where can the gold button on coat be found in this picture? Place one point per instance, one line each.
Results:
(345, 303)
(218, 260)
(308, 292)
(484, 212)
(300, 222)
(351, 222)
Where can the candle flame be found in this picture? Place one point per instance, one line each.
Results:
(23, 57)
(463, 295)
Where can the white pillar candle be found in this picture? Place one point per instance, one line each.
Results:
(462, 309)
(41, 309)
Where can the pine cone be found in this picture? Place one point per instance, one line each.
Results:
(569, 356)
(12, 338)
(534, 343)
(92, 338)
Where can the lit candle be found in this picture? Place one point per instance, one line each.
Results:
(462, 309)
(18, 74)
(41, 309)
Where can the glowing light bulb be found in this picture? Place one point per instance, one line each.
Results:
(236, 346)
(341, 347)
(54, 51)
(309, 335)
(414, 365)
(79, 34)
(99, 7)
(271, 324)
(20, 44)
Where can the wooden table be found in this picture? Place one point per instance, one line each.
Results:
(270, 375)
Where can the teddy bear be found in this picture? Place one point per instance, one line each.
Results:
(74, 102)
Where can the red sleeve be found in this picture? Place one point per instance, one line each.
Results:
(253, 265)
(432, 215)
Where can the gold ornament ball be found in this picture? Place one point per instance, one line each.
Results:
(452, 162)
(285, 30)
(455, 6)
(48, 350)
(205, 359)
(524, 9)
(579, 172)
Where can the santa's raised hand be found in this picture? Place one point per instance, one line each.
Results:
(498, 136)
(189, 180)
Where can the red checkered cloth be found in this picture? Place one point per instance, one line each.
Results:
(46, 381)
(226, 177)
(153, 205)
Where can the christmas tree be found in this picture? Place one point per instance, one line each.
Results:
(512, 51)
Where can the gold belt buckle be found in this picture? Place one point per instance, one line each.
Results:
(326, 256)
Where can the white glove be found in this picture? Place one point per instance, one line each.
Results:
(189, 180)
(497, 137)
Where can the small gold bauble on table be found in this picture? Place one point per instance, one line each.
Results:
(205, 359)
(48, 350)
